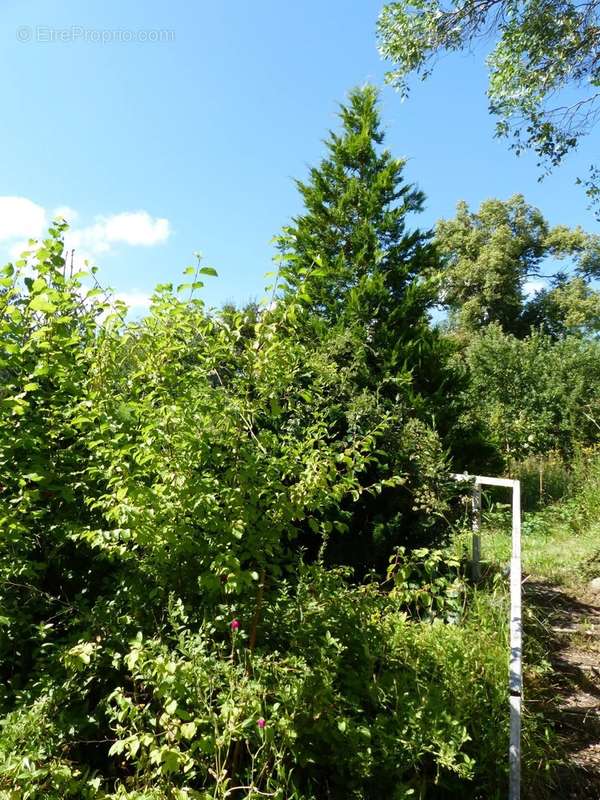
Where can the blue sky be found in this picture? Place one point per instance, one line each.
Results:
(191, 143)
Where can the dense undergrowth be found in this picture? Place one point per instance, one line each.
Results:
(168, 627)
(168, 624)
(343, 695)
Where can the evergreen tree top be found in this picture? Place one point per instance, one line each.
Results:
(350, 247)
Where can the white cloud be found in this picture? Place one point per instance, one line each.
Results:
(532, 287)
(16, 249)
(137, 228)
(87, 242)
(134, 298)
(20, 218)
(134, 228)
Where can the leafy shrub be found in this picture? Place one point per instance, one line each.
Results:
(154, 468)
(429, 582)
(343, 696)
(533, 396)
(586, 484)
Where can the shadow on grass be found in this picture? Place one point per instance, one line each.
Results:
(570, 700)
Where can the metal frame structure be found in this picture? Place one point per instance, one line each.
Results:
(515, 677)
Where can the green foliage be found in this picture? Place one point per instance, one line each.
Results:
(545, 478)
(177, 495)
(528, 362)
(350, 250)
(352, 259)
(174, 451)
(339, 672)
(586, 496)
(568, 306)
(533, 395)
(159, 636)
(364, 280)
(429, 582)
(490, 255)
(543, 67)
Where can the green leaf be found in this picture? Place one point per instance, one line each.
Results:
(188, 730)
(116, 748)
(171, 707)
(42, 303)
(170, 760)
(36, 477)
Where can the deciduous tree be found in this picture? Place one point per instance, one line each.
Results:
(490, 255)
(544, 68)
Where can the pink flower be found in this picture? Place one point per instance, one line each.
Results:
(261, 723)
(234, 624)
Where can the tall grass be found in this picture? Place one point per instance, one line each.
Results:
(544, 479)
(585, 485)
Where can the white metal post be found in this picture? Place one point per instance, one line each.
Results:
(516, 650)
(515, 681)
(476, 526)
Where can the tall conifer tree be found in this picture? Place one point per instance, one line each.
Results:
(364, 275)
(351, 250)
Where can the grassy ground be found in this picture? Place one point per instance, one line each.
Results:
(557, 545)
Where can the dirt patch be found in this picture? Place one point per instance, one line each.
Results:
(572, 621)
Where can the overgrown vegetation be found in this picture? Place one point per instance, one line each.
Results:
(223, 570)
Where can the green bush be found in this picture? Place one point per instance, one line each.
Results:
(157, 478)
(532, 396)
(343, 694)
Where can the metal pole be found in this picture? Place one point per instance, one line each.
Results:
(476, 523)
(516, 630)
(516, 650)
